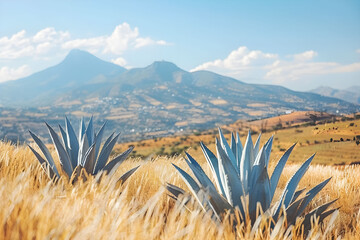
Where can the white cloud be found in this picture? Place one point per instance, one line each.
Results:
(119, 61)
(305, 56)
(301, 67)
(123, 38)
(358, 50)
(7, 73)
(20, 45)
(238, 61)
(90, 44)
(243, 63)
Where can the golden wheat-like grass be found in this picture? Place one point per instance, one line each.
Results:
(34, 208)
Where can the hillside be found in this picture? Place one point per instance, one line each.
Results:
(351, 94)
(158, 100)
(335, 140)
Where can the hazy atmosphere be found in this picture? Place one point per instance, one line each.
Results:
(297, 44)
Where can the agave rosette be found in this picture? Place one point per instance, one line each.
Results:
(242, 181)
(83, 153)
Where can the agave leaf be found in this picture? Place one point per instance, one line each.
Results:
(294, 181)
(218, 203)
(199, 173)
(297, 194)
(207, 200)
(233, 185)
(225, 146)
(98, 139)
(115, 162)
(233, 145)
(247, 161)
(89, 132)
(290, 188)
(62, 154)
(327, 213)
(107, 141)
(65, 141)
(82, 129)
(257, 146)
(52, 173)
(84, 146)
(193, 187)
(292, 212)
(126, 175)
(89, 159)
(274, 180)
(268, 146)
(45, 151)
(73, 143)
(276, 233)
(311, 194)
(175, 190)
(214, 166)
(239, 150)
(260, 193)
(318, 212)
(77, 173)
(105, 153)
(257, 169)
(64, 138)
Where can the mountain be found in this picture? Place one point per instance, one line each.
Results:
(351, 94)
(156, 100)
(77, 69)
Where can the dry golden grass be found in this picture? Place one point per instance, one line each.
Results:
(34, 208)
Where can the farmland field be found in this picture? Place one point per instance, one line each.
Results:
(333, 143)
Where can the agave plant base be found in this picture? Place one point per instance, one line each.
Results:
(242, 183)
(85, 153)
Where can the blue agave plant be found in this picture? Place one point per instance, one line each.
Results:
(85, 152)
(241, 173)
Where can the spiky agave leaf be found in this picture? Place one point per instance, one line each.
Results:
(242, 173)
(82, 153)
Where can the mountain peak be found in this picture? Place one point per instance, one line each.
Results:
(84, 61)
(162, 65)
(79, 55)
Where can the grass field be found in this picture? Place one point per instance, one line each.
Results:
(34, 208)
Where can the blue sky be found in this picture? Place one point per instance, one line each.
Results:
(297, 44)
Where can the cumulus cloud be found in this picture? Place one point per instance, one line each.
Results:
(123, 38)
(119, 61)
(269, 67)
(303, 66)
(20, 45)
(238, 62)
(305, 56)
(7, 73)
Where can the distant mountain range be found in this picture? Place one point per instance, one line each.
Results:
(351, 94)
(156, 100)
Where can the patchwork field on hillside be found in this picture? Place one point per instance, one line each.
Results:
(334, 143)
